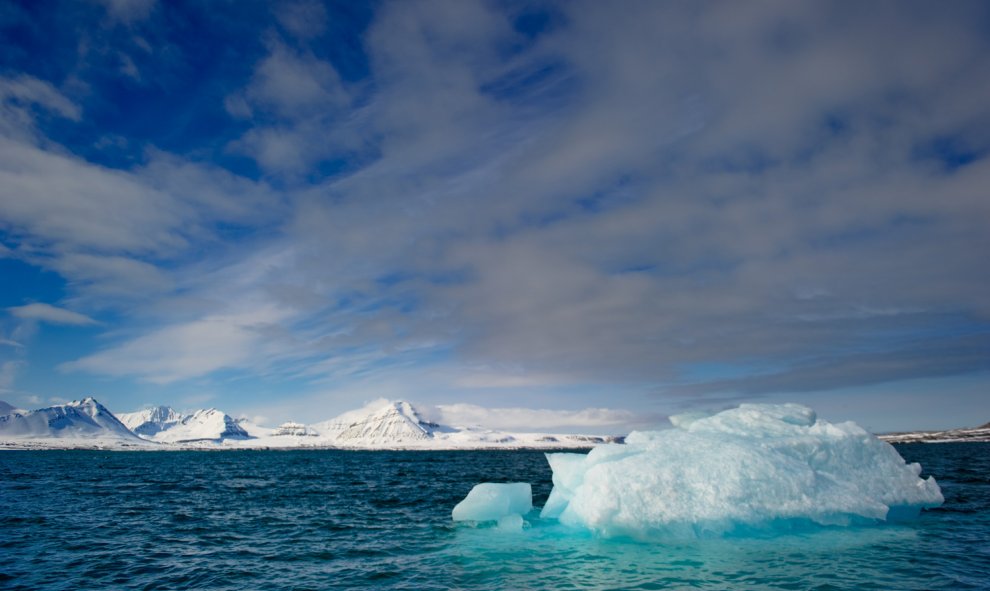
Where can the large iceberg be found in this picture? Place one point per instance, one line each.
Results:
(754, 467)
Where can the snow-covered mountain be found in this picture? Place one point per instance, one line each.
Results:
(398, 425)
(379, 425)
(151, 421)
(165, 425)
(392, 422)
(84, 419)
(975, 434)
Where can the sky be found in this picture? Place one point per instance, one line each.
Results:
(533, 215)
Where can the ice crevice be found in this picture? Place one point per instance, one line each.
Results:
(754, 468)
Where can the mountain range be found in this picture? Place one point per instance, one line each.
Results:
(974, 434)
(381, 425)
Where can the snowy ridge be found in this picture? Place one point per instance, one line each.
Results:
(975, 434)
(165, 425)
(151, 421)
(83, 420)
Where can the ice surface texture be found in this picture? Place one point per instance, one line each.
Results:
(758, 466)
(490, 501)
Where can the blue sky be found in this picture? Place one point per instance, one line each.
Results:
(613, 212)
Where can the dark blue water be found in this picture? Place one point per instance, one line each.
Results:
(381, 520)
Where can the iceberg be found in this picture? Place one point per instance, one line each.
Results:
(751, 468)
(500, 502)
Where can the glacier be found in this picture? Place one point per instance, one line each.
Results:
(753, 468)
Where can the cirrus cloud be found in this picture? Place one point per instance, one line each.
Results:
(50, 314)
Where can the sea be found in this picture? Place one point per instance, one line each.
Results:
(326, 519)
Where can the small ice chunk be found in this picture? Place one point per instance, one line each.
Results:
(755, 466)
(491, 501)
(511, 523)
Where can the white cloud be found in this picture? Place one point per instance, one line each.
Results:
(308, 100)
(8, 372)
(295, 85)
(473, 378)
(25, 90)
(109, 231)
(129, 68)
(184, 350)
(529, 419)
(158, 209)
(101, 276)
(626, 195)
(51, 314)
(129, 11)
(303, 18)
(261, 420)
(67, 201)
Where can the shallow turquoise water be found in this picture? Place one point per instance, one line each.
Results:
(381, 520)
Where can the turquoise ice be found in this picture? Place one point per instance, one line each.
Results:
(754, 467)
(491, 501)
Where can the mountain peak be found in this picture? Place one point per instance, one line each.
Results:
(381, 421)
(164, 424)
(79, 419)
(151, 421)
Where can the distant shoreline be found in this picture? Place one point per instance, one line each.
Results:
(45, 446)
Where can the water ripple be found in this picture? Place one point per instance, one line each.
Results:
(381, 520)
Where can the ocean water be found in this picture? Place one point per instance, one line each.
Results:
(79, 520)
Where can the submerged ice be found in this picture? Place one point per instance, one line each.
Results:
(753, 467)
